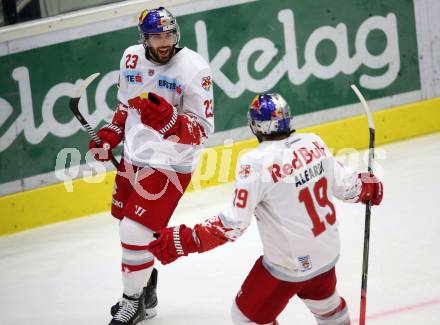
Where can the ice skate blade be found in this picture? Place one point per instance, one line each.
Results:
(150, 313)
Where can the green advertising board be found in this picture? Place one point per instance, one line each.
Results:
(306, 50)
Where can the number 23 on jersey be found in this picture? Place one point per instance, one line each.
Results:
(131, 61)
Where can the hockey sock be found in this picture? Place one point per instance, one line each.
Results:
(330, 311)
(137, 261)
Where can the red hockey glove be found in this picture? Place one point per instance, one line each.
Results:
(160, 115)
(156, 112)
(172, 243)
(372, 189)
(110, 136)
(189, 131)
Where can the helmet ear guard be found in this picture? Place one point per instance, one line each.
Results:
(157, 21)
(269, 114)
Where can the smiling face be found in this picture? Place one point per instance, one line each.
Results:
(161, 45)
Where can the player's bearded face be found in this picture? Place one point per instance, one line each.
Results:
(161, 46)
(161, 54)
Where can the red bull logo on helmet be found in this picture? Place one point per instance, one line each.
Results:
(143, 15)
(256, 104)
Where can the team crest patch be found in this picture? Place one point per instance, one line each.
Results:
(134, 77)
(245, 171)
(150, 72)
(170, 84)
(305, 263)
(206, 83)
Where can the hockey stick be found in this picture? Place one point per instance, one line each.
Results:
(73, 104)
(363, 307)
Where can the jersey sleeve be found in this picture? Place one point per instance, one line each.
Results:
(346, 185)
(248, 192)
(231, 223)
(122, 95)
(198, 101)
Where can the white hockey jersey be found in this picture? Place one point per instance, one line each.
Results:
(290, 185)
(186, 83)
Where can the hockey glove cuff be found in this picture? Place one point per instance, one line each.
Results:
(172, 243)
(110, 135)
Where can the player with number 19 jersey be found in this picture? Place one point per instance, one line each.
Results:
(288, 182)
(289, 185)
(186, 83)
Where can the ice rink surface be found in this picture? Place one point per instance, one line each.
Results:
(68, 273)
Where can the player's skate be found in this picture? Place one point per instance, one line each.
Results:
(150, 296)
(131, 311)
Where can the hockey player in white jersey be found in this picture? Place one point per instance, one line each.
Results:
(164, 114)
(289, 182)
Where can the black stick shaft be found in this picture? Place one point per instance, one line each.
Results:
(363, 307)
(73, 104)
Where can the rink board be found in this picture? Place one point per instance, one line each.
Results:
(307, 51)
(55, 203)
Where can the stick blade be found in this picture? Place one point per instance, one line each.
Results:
(364, 105)
(74, 101)
(80, 91)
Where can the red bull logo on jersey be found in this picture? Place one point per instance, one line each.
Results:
(302, 161)
(134, 77)
(171, 84)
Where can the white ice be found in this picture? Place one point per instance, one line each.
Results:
(68, 273)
